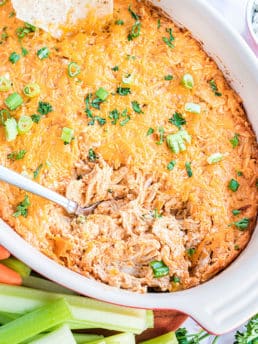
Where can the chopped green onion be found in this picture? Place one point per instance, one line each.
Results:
(43, 53)
(188, 81)
(188, 169)
(17, 266)
(114, 115)
(242, 224)
(14, 57)
(123, 91)
(21, 32)
(24, 52)
(5, 84)
(31, 90)
(125, 121)
(4, 115)
(177, 119)
(150, 131)
(235, 141)
(161, 136)
(102, 94)
(92, 156)
(135, 31)
(17, 155)
(168, 338)
(176, 141)
(214, 158)
(191, 251)
(158, 24)
(168, 77)
(233, 185)
(156, 214)
(136, 107)
(176, 279)
(36, 172)
(159, 269)
(236, 212)
(168, 41)
(22, 208)
(35, 322)
(13, 101)
(215, 88)
(11, 130)
(133, 14)
(193, 108)
(127, 80)
(73, 69)
(24, 124)
(67, 135)
(171, 165)
(119, 22)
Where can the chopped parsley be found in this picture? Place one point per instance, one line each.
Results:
(43, 53)
(159, 269)
(188, 169)
(168, 40)
(250, 335)
(177, 119)
(176, 279)
(17, 155)
(214, 88)
(115, 69)
(11, 14)
(92, 156)
(233, 185)
(235, 141)
(150, 131)
(119, 22)
(125, 121)
(24, 52)
(135, 31)
(156, 214)
(136, 107)
(159, 24)
(23, 31)
(171, 165)
(236, 212)
(240, 174)
(22, 208)
(123, 91)
(114, 116)
(44, 108)
(242, 224)
(168, 77)
(191, 251)
(14, 57)
(161, 136)
(36, 118)
(36, 172)
(95, 103)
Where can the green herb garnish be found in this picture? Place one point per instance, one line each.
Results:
(44, 108)
(43, 53)
(114, 116)
(36, 172)
(171, 165)
(17, 155)
(13, 101)
(119, 22)
(170, 39)
(159, 269)
(233, 185)
(135, 31)
(136, 107)
(161, 136)
(159, 23)
(156, 214)
(92, 156)
(214, 88)
(191, 251)
(22, 208)
(36, 118)
(235, 141)
(176, 142)
(236, 212)
(168, 77)
(242, 224)
(24, 52)
(14, 57)
(115, 69)
(177, 119)
(150, 131)
(250, 335)
(188, 169)
(123, 91)
(133, 14)
(23, 31)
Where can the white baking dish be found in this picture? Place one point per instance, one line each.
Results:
(230, 298)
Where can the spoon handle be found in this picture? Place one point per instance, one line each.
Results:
(13, 178)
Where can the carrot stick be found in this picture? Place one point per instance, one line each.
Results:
(9, 276)
(4, 254)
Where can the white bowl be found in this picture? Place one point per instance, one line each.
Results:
(229, 299)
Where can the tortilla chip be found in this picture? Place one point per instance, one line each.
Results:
(52, 15)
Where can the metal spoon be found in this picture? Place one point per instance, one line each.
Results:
(72, 207)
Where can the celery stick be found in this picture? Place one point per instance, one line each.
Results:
(61, 335)
(88, 312)
(7, 317)
(43, 284)
(123, 338)
(32, 323)
(82, 338)
(168, 338)
(17, 266)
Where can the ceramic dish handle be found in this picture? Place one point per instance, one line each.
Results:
(13, 178)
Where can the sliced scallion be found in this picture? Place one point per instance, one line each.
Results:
(193, 108)
(67, 135)
(102, 94)
(31, 90)
(14, 57)
(13, 101)
(214, 158)
(176, 142)
(24, 124)
(5, 84)
(43, 53)
(4, 115)
(127, 79)
(188, 169)
(11, 130)
(73, 69)
(159, 269)
(242, 224)
(233, 185)
(188, 81)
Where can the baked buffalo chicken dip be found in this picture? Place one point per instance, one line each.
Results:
(134, 113)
